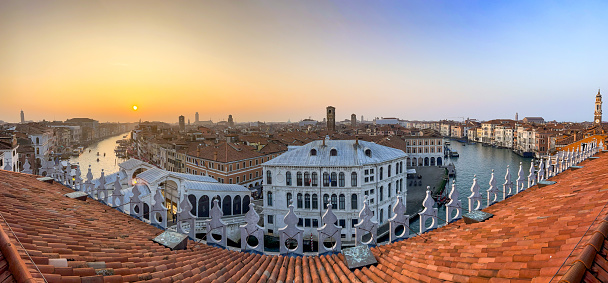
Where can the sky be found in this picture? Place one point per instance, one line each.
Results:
(280, 60)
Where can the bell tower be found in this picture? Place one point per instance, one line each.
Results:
(331, 118)
(597, 117)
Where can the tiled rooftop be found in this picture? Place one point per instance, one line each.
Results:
(531, 236)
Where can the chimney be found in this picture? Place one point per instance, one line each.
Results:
(215, 155)
(198, 151)
(357, 140)
(323, 142)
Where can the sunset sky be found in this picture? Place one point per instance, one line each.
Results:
(279, 60)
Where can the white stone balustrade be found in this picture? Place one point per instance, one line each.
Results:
(507, 187)
(475, 197)
(27, 168)
(492, 191)
(158, 213)
(216, 226)
(429, 212)
(118, 198)
(329, 231)
(185, 219)
(291, 232)
(532, 175)
(453, 205)
(135, 204)
(252, 229)
(520, 179)
(541, 170)
(100, 190)
(88, 183)
(78, 178)
(365, 226)
(399, 219)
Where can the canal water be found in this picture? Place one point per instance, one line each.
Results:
(479, 160)
(109, 162)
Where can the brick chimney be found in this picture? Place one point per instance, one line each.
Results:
(215, 155)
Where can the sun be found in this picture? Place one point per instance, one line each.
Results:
(134, 107)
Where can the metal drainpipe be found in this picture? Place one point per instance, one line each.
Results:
(377, 199)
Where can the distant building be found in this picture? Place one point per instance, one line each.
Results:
(9, 158)
(353, 120)
(22, 117)
(182, 123)
(331, 118)
(88, 128)
(534, 120)
(230, 121)
(307, 122)
(337, 172)
(387, 121)
(196, 117)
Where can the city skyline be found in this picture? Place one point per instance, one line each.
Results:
(289, 60)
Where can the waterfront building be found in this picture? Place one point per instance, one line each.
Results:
(337, 172)
(425, 149)
(534, 120)
(504, 135)
(307, 122)
(88, 128)
(526, 141)
(42, 140)
(386, 121)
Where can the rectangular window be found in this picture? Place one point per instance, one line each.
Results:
(238, 180)
(270, 231)
(315, 223)
(354, 222)
(270, 219)
(371, 178)
(300, 222)
(366, 172)
(307, 222)
(371, 171)
(366, 179)
(342, 223)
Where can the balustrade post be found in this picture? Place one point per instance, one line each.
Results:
(475, 197)
(399, 219)
(453, 205)
(532, 175)
(541, 170)
(429, 212)
(492, 191)
(329, 230)
(507, 187)
(252, 229)
(158, 213)
(185, 219)
(135, 203)
(366, 225)
(27, 168)
(118, 199)
(520, 179)
(291, 232)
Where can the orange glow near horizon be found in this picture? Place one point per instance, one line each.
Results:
(135, 107)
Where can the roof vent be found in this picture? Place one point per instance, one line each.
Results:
(172, 240)
(46, 180)
(476, 216)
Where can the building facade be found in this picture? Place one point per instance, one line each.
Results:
(337, 172)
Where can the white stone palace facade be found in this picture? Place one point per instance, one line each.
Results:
(337, 172)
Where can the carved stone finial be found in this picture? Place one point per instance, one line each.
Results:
(158, 213)
(27, 168)
(532, 175)
(330, 231)
(492, 191)
(453, 205)
(475, 197)
(541, 170)
(292, 233)
(399, 219)
(520, 179)
(117, 195)
(216, 225)
(366, 225)
(185, 219)
(252, 229)
(507, 187)
(429, 212)
(135, 203)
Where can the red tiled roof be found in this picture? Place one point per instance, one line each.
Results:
(530, 236)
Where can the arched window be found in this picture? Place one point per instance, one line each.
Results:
(381, 173)
(306, 179)
(334, 179)
(334, 201)
(203, 206)
(325, 200)
(37, 150)
(401, 167)
(192, 200)
(288, 178)
(381, 216)
(146, 211)
(381, 193)
(315, 201)
(353, 201)
(396, 168)
(368, 152)
(269, 198)
(299, 200)
(353, 179)
(389, 189)
(307, 201)
(37, 140)
(246, 201)
(314, 179)
(299, 178)
(390, 211)
(289, 197)
(268, 177)
(236, 205)
(341, 180)
(342, 202)
(313, 152)
(227, 205)
(388, 172)
(325, 179)
(333, 152)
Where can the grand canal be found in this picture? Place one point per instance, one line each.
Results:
(109, 162)
(478, 160)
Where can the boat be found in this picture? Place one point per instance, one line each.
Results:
(98, 153)
(447, 142)
(104, 154)
(97, 159)
(454, 153)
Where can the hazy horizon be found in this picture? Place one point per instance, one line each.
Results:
(274, 61)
